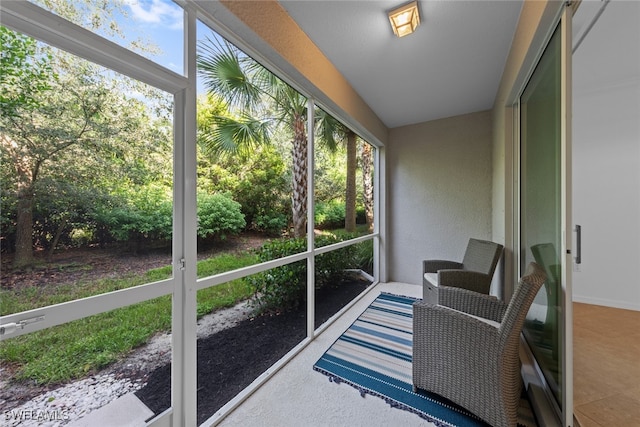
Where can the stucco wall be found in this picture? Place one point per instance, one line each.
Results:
(438, 191)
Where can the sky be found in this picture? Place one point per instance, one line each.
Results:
(161, 21)
(152, 22)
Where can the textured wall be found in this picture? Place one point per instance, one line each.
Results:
(438, 190)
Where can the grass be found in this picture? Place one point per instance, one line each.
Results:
(75, 349)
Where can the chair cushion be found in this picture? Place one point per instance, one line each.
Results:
(431, 278)
(487, 321)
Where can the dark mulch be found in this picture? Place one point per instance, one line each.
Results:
(230, 360)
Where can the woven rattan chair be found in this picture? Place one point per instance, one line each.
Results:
(474, 273)
(468, 351)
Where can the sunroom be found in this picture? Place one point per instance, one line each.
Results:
(450, 161)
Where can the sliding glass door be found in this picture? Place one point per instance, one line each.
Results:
(545, 232)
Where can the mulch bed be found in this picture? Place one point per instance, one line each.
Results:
(228, 361)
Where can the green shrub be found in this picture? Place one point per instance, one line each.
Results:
(218, 216)
(271, 222)
(329, 215)
(140, 214)
(80, 236)
(283, 288)
(364, 256)
(259, 182)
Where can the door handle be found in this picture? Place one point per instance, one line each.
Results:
(578, 256)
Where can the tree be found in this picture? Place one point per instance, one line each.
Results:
(350, 199)
(23, 78)
(331, 129)
(65, 120)
(258, 182)
(367, 183)
(261, 102)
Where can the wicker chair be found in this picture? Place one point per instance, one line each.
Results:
(474, 273)
(468, 351)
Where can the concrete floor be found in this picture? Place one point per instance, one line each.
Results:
(298, 396)
(606, 346)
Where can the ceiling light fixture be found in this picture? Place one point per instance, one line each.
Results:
(405, 19)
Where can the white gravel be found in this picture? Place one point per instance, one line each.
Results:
(75, 400)
(70, 402)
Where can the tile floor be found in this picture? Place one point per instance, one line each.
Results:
(606, 366)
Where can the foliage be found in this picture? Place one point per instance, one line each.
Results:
(8, 211)
(81, 153)
(257, 180)
(63, 208)
(362, 252)
(284, 287)
(144, 215)
(86, 345)
(218, 215)
(22, 74)
(71, 128)
(329, 215)
(364, 256)
(259, 104)
(137, 215)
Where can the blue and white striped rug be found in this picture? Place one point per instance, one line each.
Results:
(374, 355)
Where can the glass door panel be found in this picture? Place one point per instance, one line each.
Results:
(541, 208)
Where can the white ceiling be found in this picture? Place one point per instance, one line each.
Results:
(451, 65)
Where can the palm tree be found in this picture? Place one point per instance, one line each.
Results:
(262, 102)
(350, 198)
(332, 130)
(367, 180)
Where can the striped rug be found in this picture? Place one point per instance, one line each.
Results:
(374, 355)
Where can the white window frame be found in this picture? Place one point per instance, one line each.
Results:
(36, 22)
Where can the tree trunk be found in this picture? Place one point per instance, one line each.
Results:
(299, 184)
(367, 178)
(350, 199)
(24, 228)
(56, 238)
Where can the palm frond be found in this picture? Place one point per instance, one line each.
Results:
(231, 136)
(292, 100)
(329, 130)
(220, 64)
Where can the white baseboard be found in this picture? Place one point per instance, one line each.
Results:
(607, 302)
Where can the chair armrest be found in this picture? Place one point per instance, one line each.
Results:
(436, 353)
(429, 315)
(486, 306)
(472, 280)
(433, 265)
